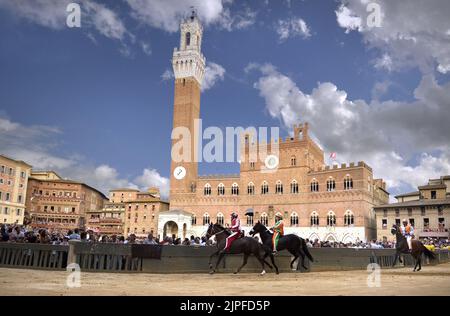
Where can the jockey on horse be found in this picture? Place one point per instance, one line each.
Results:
(407, 231)
(235, 231)
(278, 232)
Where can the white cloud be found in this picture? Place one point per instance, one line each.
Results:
(387, 135)
(167, 75)
(292, 27)
(37, 145)
(48, 13)
(236, 20)
(213, 73)
(105, 21)
(146, 48)
(151, 178)
(94, 16)
(412, 33)
(167, 14)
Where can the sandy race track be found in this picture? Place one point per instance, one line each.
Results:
(432, 280)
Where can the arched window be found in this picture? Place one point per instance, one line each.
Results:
(221, 189)
(264, 219)
(348, 183)
(235, 189)
(220, 219)
(314, 186)
(293, 161)
(294, 187)
(279, 187)
(251, 188)
(206, 219)
(194, 220)
(265, 188)
(294, 219)
(331, 184)
(207, 189)
(188, 38)
(331, 219)
(249, 220)
(349, 218)
(314, 219)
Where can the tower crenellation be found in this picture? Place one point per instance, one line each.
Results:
(188, 60)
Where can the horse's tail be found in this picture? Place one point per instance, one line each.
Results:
(428, 253)
(306, 250)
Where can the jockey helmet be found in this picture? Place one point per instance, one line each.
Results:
(234, 215)
(279, 216)
(404, 220)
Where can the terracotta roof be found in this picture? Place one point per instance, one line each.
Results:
(17, 161)
(124, 190)
(408, 194)
(422, 202)
(72, 182)
(432, 186)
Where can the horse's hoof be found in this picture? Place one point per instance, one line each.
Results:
(211, 272)
(278, 272)
(235, 272)
(263, 272)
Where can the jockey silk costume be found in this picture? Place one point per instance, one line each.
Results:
(278, 231)
(408, 232)
(235, 232)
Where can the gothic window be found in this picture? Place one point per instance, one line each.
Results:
(264, 188)
(293, 161)
(251, 189)
(206, 219)
(314, 186)
(221, 189)
(349, 218)
(194, 220)
(279, 187)
(314, 219)
(220, 219)
(294, 187)
(294, 219)
(188, 38)
(193, 187)
(264, 219)
(331, 185)
(207, 189)
(331, 219)
(252, 165)
(249, 220)
(235, 189)
(348, 183)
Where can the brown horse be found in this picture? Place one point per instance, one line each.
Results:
(401, 247)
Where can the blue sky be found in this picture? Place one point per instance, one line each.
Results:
(91, 102)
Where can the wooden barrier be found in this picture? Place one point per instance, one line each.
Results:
(34, 256)
(105, 257)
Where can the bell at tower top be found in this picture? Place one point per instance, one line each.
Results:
(188, 60)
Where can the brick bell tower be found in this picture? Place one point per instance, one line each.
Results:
(188, 67)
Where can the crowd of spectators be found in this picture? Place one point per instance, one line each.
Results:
(20, 233)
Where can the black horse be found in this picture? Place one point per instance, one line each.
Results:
(245, 245)
(401, 247)
(294, 244)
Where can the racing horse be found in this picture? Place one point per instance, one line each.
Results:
(401, 247)
(245, 245)
(294, 244)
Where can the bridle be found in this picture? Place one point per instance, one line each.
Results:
(213, 231)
